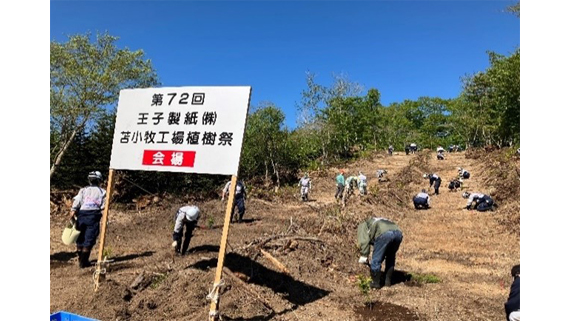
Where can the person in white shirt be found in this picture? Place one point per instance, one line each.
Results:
(239, 199)
(186, 216)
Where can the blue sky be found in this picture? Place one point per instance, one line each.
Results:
(406, 49)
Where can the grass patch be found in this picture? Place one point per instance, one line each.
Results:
(425, 278)
(157, 280)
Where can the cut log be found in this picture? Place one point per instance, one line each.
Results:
(276, 262)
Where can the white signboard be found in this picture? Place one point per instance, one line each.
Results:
(180, 129)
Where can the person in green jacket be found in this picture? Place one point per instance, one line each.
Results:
(386, 237)
(340, 182)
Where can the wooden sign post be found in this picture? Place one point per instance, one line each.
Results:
(104, 227)
(214, 295)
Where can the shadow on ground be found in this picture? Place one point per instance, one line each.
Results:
(296, 292)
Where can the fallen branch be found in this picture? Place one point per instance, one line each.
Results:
(276, 262)
(259, 243)
(400, 200)
(137, 281)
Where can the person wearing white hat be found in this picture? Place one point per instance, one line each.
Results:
(478, 201)
(86, 212)
(434, 179)
(186, 216)
(462, 173)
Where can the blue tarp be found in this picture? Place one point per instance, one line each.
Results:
(66, 316)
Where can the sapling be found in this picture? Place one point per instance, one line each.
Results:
(364, 283)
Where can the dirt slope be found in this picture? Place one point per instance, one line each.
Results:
(470, 252)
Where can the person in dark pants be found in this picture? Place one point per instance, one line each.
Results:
(413, 148)
(478, 201)
(239, 199)
(454, 184)
(340, 182)
(390, 150)
(386, 237)
(86, 212)
(462, 173)
(512, 306)
(407, 149)
(422, 200)
(186, 216)
(434, 179)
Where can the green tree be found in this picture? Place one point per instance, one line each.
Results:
(267, 148)
(489, 105)
(85, 78)
(515, 9)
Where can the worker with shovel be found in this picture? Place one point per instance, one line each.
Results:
(86, 213)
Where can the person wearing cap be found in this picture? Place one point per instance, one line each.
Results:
(478, 201)
(340, 183)
(362, 184)
(422, 200)
(305, 185)
(462, 173)
(434, 179)
(413, 148)
(186, 216)
(86, 213)
(239, 199)
(386, 237)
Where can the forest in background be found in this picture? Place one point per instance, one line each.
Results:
(336, 123)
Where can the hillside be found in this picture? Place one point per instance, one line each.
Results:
(470, 252)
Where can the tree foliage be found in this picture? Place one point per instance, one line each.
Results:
(336, 123)
(85, 78)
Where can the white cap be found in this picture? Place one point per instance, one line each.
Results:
(192, 212)
(95, 174)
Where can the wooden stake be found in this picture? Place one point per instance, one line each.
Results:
(213, 313)
(104, 227)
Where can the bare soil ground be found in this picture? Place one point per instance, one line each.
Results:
(470, 252)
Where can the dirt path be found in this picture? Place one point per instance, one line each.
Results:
(467, 250)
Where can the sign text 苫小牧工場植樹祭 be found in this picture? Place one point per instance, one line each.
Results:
(181, 129)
